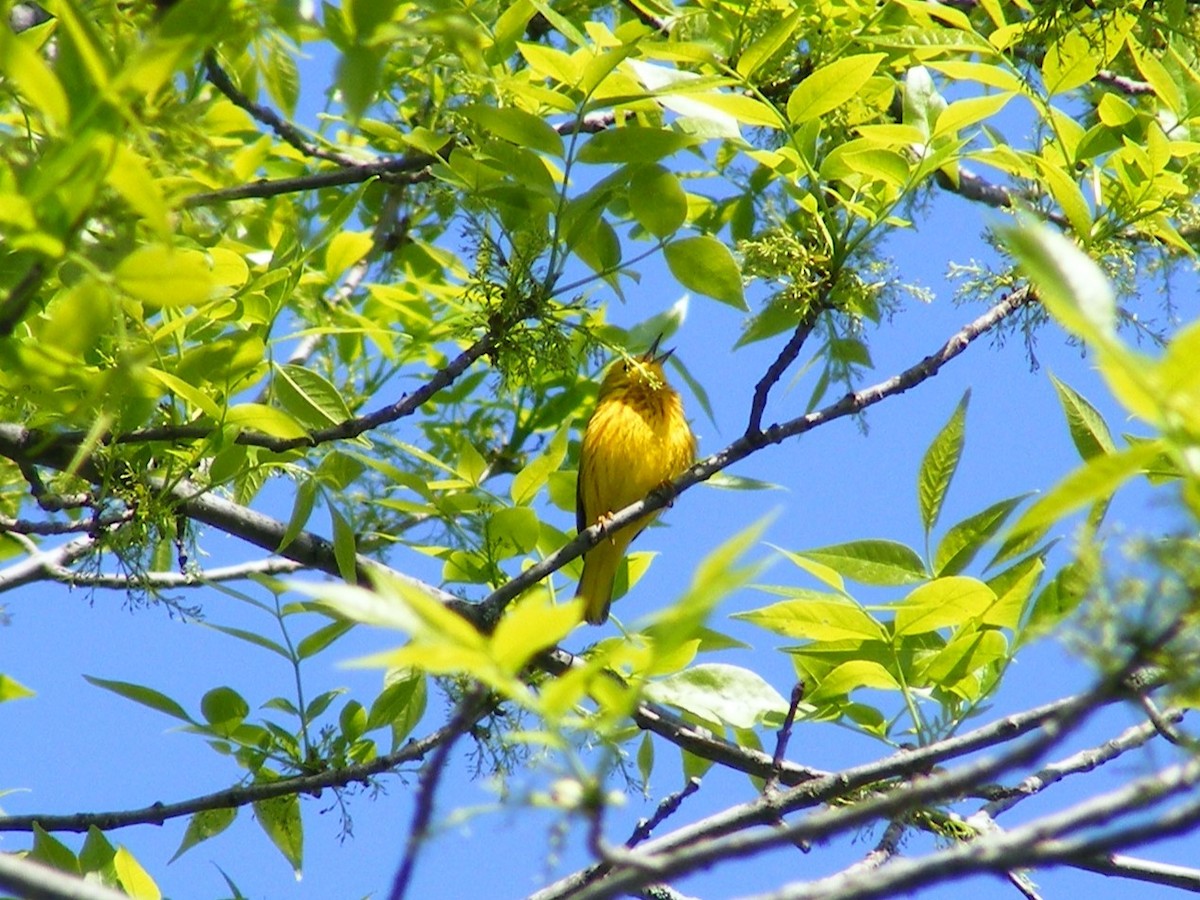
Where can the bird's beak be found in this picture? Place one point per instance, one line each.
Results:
(652, 355)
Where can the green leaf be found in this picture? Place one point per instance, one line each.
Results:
(1013, 588)
(514, 530)
(280, 819)
(529, 626)
(52, 852)
(657, 200)
(306, 496)
(771, 42)
(352, 720)
(830, 86)
(532, 478)
(851, 676)
(204, 825)
(250, 637)
(1070, 62)
(922, 102)
(309, 396)
(322, 638)
(940, 463)
(519, 127)
(1088, 430)
(954, 667)
(645, 758)
(942, 603)
(401, 687)
(258, 417)
(1070, 284)
(878, 562)
(720, 693)
(358, 73)
(720, 573)
(224, 709)
(634, 144)
(344, 546)
(97, 852)
(143, 695)
(163, 276)
(965, 539)
(816, 617)
(34, 79)
(705, 265)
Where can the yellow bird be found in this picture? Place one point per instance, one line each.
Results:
(636, 440)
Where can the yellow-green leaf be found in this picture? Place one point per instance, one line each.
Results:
(160, 275)
(943, 603)
(345, 249)
(280, 819)
(810, 618)
(134, 880)
(266, 419)
(830, 86)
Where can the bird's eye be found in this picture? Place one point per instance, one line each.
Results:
(625, 365)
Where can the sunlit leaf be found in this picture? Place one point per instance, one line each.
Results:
(705, 265)
(718, 692)
(940, 463)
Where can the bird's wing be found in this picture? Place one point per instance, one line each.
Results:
(581, 521)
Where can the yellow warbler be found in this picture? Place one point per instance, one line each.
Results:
(636, 440)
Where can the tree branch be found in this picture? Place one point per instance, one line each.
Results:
(728, 835)
(174, 580)
(21, 444)
(1140, 870)
(786, 357)
(1052, 718)
(1083, 761)
(469, 711)
(16, 304)
(401, 170)
(157, 813)
(42, 564)
(1032, 844)
(284, 129)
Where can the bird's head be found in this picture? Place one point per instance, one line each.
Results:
(643, 372)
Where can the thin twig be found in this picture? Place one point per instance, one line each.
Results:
(284, 129)
(401, 170)
(667, 808)
(785, 358)
(784, 737)
(469, 711)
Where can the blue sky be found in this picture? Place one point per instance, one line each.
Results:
(75, 747)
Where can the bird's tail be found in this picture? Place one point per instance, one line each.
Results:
(600, 566)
